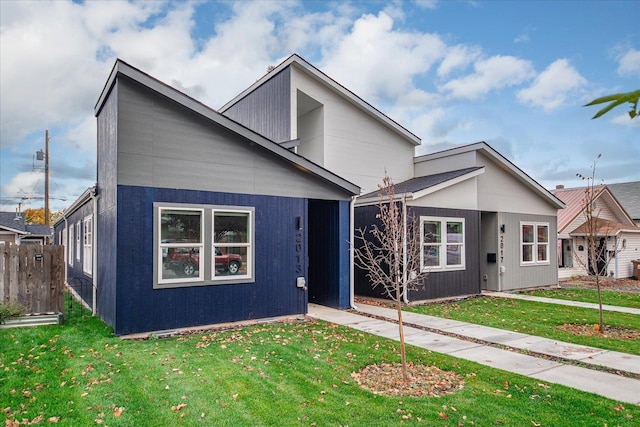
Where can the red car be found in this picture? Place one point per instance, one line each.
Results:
(186, 261)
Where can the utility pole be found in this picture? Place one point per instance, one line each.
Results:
(47, 213)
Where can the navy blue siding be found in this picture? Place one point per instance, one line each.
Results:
(140, 308)
(267, 109)
(329, 253)
(438, 284)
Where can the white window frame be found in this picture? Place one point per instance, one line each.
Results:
(248, 245)
(535, 245)
(78, 239)
(442, 245)
(64, 242)
(166, 246)
(206, 275)
(87, 246)
(72, 243)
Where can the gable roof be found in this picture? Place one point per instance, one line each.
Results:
(604, 227)
(503, 163)
(9, 222)
(122, 69)
(303, 65)
(415, 188)
(628, 194)
(574, 200)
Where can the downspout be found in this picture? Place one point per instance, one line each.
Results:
(615, 254)
(94, 251)
(351, 253)
(404, 250)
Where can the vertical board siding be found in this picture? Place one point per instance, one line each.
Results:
(106, 222)
(267, 110)
(438, 284)
(521, 277)
(141, 308)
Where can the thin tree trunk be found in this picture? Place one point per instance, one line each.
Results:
(601, 323)
(403, 355)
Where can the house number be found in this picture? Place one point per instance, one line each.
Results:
(299, 253)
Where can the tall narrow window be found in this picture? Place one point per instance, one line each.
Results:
(78, 241)
(534, 243)
(442, 241)
(181, 232)
(71, 244)
(87, 237)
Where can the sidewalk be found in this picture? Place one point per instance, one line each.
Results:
(561, 302)
(615, 387)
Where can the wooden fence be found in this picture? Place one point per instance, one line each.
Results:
(33, 275)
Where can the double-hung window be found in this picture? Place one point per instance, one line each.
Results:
(71, 243)
(203, 244)
(534, 243)
(87, 236)
(78, 236)
(442, 243)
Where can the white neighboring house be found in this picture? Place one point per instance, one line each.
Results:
(619, 237)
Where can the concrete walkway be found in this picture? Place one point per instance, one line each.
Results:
(613, 386)
(562, 302)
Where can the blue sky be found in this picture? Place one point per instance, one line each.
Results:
(513, 74)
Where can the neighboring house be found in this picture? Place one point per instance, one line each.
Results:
(199, 220)
(202, 217)
(628, 194)
(618, 236)
(484, 224)
(13, 229)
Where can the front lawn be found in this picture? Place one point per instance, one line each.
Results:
(285, 374)
(537, 318)
(620, 299)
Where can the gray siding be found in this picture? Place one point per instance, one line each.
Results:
(105, 221)
(163, 145)
(267, 110)
(521, 277)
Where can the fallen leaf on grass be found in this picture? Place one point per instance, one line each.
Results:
(443, 416)
(179, 407)
(53, 419)
(118, 411)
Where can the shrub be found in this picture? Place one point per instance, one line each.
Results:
(10, 311)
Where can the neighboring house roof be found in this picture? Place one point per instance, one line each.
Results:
(604, 227)
(502, 162)
(10, 222)
(415, 188)
(77, 204)
(628, 194)
(574, 201)
(121, 68)
(302, 64)
(16, 224)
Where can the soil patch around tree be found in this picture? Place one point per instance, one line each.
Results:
(386, 379)
(615, 332)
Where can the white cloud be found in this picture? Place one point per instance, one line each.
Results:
(458, 57)
(394, 58)
(427, 4)
(624, 119)
(525, 35)
(490, 74)
(551, 87)
(629, 63)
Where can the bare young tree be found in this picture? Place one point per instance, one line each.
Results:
(390, 254)
(597, 232)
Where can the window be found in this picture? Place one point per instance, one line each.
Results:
(534, 243)
(203, 244)
(442, 243)
(78, 234)
(71, 244)
(231, 243)
(87, 245)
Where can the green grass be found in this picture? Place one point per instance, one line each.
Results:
(536, 318)
(79, 374)
(620, 299)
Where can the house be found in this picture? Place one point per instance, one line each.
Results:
(491, 226)
(618, 236)
(628, 194)
(201, 216)
(199, 220)
(13, 229)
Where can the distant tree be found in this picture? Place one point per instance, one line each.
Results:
(36, 216)
(391, 254)
(618, 99)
